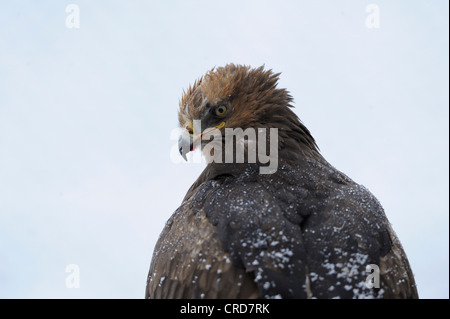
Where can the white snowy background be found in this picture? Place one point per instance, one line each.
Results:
(86, 116)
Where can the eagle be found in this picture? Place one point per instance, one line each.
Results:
(299, 229)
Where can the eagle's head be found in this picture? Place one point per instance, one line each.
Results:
(237, 96)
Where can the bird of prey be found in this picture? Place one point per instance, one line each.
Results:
(301, 230)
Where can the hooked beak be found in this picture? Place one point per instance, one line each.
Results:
(188, 141)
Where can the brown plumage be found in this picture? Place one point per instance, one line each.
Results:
(305, 231)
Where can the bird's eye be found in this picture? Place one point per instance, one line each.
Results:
(220, 110)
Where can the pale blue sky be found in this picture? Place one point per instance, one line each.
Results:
(86, 116)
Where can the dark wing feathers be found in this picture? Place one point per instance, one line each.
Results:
(307, 231)
(189, 262)
(252, 228)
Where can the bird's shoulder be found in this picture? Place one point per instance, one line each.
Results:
(306, 231)
(296, 225)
